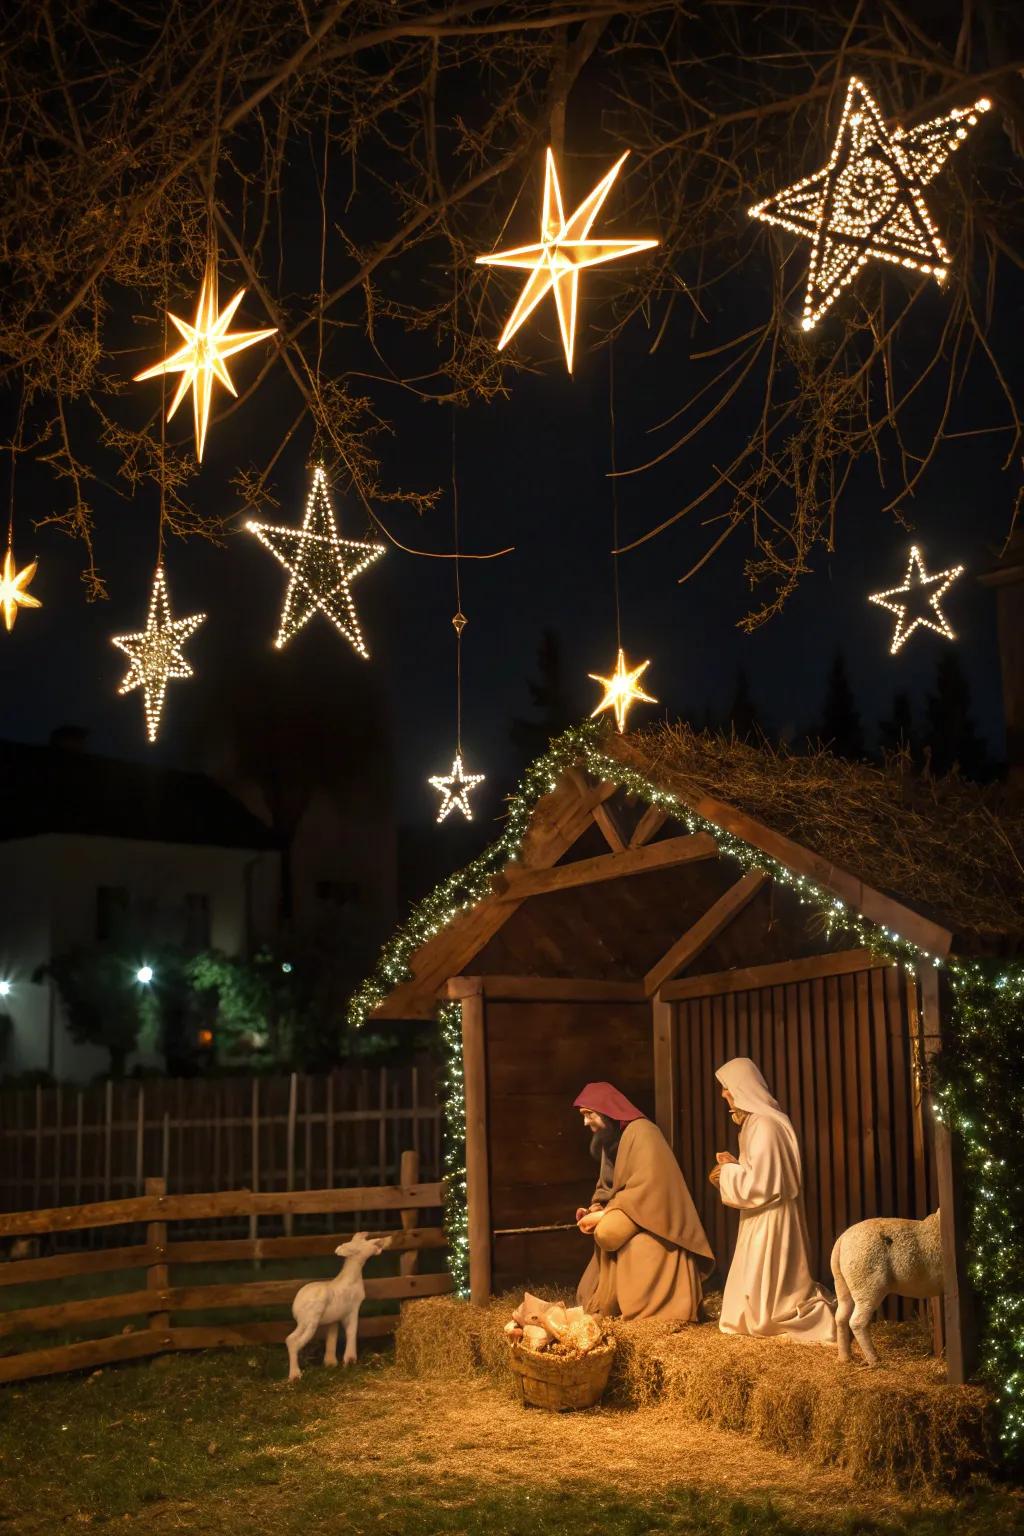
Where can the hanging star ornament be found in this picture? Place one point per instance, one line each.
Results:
(207, 343)
(867, 201)
(321, 567)
(918, 582)
(621, 690)
(14, 593)
(156, 654)
(455, 789)
(564, 249)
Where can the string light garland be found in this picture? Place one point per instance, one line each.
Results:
(14, 593)
(453, 1093)
(321, 567)
(563, 251)
(868, 200)
(156, 654)
(207, 344)
(918, 581)
(622, 690)
(455, 788)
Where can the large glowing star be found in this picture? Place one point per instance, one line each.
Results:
(207, 343)
(320, 565)
(564, 249)
(156, 653)
(14, 593)
(900, 600)
(621, 690)
(454, 789)
(867, 201)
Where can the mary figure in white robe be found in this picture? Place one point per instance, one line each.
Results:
(770, 1290)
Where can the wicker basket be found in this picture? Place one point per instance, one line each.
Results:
(561, 1382)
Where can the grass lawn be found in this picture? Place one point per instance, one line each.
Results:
(219, 1443)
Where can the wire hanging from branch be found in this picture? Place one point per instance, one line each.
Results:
(14, 593)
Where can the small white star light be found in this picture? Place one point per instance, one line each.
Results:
(918, 581)
(564, 249)
(14, 593)
(202, 358)
(156, 653)
(867, 201)
(321, 566)
(454, 789)
(622, 690)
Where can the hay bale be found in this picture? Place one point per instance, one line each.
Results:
(438, 1337)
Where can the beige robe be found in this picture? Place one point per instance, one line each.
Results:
(657, 1270)
(770, 1289)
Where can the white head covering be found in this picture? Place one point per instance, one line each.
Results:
(751, 1093)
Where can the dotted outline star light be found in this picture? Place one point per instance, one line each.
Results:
(207, 342)
(564, 249)
(309, 590)
(867, 201)
(911, 584)
(621, 691)
(155, 654)
(13, 589)
(459, 795)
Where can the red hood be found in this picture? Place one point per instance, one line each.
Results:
(608, 1101)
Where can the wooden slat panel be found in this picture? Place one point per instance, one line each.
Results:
(828, 1228)
(851, 1100)
(102, 1261)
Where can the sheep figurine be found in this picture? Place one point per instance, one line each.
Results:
(333, 1302)
(882, 1257)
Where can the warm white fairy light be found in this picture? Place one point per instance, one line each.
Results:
(156, 654)
(14, 593)
(555, 262)
(867, 201)
(455, 788)
(621, 690)
(919, 581)
(320, 565)
(201, 360)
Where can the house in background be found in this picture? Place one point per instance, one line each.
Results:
(92, 848)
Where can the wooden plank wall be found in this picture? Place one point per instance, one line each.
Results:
(837, 1054)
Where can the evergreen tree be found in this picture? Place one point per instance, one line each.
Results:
(841, 729)
(743, 712)
(549, 700)
(953, 739)
(896, 734)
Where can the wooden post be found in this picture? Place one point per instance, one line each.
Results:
(254, 1143)
(293, 1099)
(37, 1175)
(307, 1104)
(165, 1148)
(157, 1275)
(382, 1127)
(140, 1135)
(478, 1192)
(108, 1134)
(329, 1132)
(409, 1173)
(79, 1111)
(957, 1303)
(666, 1070)
(58, 1146)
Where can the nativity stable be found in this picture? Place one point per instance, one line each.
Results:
(662, 902)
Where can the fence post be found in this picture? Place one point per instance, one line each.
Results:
(329, 1132)
(293, 1098)
(408, 1261)
(108, 1133)
(140, 1135)
(157, 1275)
(58, 1146)
(254, 1139)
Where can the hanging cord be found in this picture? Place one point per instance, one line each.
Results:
(162, 517)
(615, 496)
(323, 251)
(15, 450)
(459, 621)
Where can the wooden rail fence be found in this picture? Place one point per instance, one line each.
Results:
(159, 1305)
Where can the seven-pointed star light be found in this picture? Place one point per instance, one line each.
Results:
(156, 654)
(917, 581)
(320, 565)
(201, 360)
(14, 592)
(867, 201)
(564, 249)
(455, 789)
(621, 691)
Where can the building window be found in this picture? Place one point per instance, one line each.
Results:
(197, 920)
(111, 913)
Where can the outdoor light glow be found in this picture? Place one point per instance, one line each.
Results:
(207, 343)
(917, 580)
(144, 975)
(155, 654)
(13, 585)
(455, 789)
(867, 200)
(555, 262)
(321, 565)
(621, 690)
(5, 988)
(286, 966)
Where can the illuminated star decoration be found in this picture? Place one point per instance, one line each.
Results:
(156, 654)
(202, 358)
(621, 690)
(321, 565)
(555, 263)
(867, 201)
(455, 789)
(917, 580)
(14, 589)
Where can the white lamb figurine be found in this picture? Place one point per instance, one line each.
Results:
(333, 1302)
(882, 1257)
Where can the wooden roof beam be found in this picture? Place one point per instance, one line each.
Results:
(545, 989)
(606, 866)
(707, 927)
(649, 825)
(780, 973)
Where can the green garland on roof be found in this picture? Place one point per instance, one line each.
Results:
(979, 1083)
